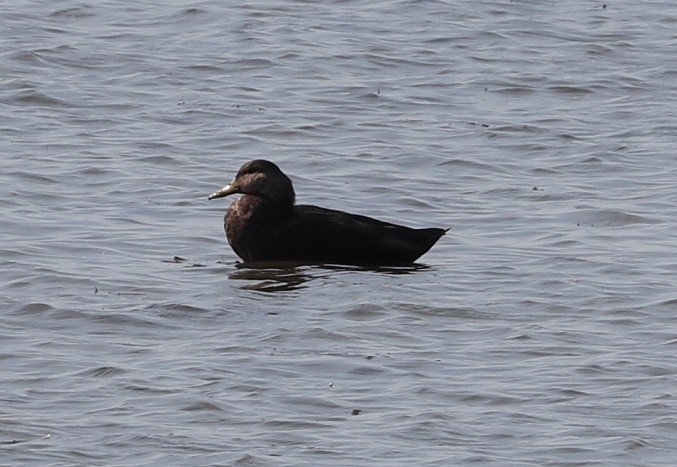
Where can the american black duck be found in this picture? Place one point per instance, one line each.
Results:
(265, 225)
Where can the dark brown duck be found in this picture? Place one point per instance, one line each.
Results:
(265, 225)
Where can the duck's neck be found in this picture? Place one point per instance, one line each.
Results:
(251, 222)
(255, 212)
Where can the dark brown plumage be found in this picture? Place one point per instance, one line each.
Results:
(266, 225)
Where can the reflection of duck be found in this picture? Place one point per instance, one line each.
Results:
(271, 277)
(265, 225)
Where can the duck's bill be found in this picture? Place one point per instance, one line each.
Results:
(225, 191)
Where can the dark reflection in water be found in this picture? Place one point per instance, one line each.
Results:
(285, 276)
(395, 270)
(271, 277)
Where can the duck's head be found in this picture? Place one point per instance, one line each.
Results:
(260, 178)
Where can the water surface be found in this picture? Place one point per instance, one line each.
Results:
(539, 331)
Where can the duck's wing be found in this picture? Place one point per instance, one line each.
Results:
(325, 235)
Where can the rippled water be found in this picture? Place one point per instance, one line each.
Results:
(540, 330)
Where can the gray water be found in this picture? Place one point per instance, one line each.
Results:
(540, 330)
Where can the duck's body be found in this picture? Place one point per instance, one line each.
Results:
(265, 225)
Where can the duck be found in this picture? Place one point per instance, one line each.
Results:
(265, 225)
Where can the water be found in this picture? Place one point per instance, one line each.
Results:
(540, 330)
